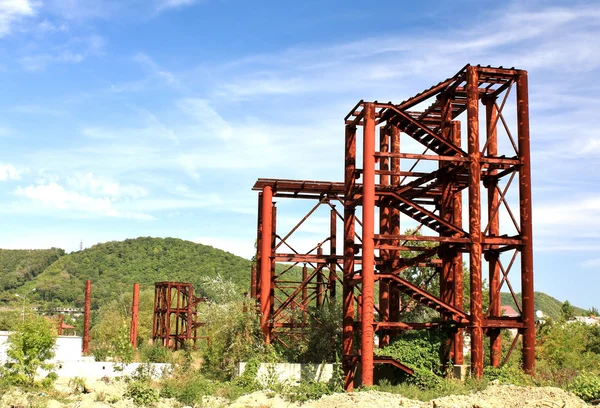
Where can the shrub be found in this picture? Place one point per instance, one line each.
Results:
(156, 353)
(507, 375)
(187, 388)
(142, 393)
(29, 347)
(586, 386)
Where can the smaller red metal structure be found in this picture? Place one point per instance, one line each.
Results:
(175, 314)
(86, 317)
(135, 305)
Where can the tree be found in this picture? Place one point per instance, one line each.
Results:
(567, 311)
(593, 312)
(29, 349)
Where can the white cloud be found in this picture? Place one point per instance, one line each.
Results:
(54, 196)
(9, 172)
(170, 4)
(13, 11)
(105, 187)
(593, 263)
(73, 52)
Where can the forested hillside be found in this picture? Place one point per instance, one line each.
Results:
(17, 267)
(114, 266)
(546, 303)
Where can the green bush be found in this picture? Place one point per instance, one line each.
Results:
(188, 388)
(29, 347)
(586, 386)
(508, 375)
(156, 353)
(142, 393)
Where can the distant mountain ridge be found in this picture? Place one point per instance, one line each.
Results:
(114, 266)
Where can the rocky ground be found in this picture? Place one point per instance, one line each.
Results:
(100, 394)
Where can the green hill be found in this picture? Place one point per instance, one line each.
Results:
(17, 267)
(114, 266)
(547, 304)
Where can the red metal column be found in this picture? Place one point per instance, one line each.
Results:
(457, 261)
(319, 287)
(135, 304)
(86, 317)
(394, 305)
(368, 245)
(348, 360)
(384, 228)
(475, 221)
(494, 230)
(304, 292)
(526, 223)
(332, 252)
(61, 319)
(265, 262)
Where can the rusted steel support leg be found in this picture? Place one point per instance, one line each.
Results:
(491, 114)
(272, 251)
(394, 302)
(304, 292)
(348, 293)
(457, 261)
(384, 228)
(265, 262)
(368, 251)
(475, 222)
(86, 317)
(259, 229)
(135, 305)
(348, 358)
(332, 252)
(253, 278)
(526, 223)
(61, 319)
(319, 288)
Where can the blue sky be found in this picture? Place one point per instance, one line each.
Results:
(132, 118)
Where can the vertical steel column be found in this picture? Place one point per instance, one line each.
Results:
(491, 114)
(265, 262)
(368, 244)
(348, 361)
(304, 292)
(526, 223)
(395, 224)
(59, 330)
(457, 260)
(332, 253)
(259, 229)
(384, 228)
(189, 335)
(475, 221)
(319, 287)
(85, 349)
(272, 251)
(135, 305)
(253, 276)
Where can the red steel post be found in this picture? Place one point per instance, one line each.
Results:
(61, 319)
(332, 252)
(394, 302)
(494, 230)
(319, 287)
(265, 262)
(475, 221)
(526, 223)
(135, 305)
(384, 228)
(368, 250)
(348, 360)
(457, 260)
(86, 317)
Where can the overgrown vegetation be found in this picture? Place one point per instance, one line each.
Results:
(30, 347)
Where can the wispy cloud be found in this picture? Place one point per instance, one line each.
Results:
(14, 11)
(9, 172)
(74, 51)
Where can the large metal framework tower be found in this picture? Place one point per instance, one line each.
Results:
(416, 174)
(175, 318)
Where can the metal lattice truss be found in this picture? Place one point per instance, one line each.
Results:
(175, 320)
(443, 166)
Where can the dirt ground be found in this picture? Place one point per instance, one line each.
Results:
(102, 395)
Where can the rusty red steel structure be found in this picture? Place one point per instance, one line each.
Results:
(175, 320)
(85, 346)
(135, 306)
(428, 194)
